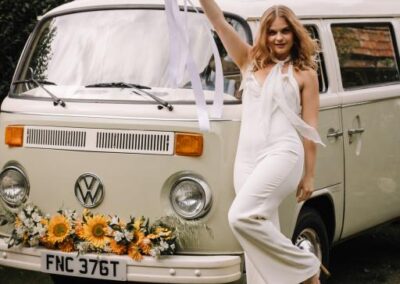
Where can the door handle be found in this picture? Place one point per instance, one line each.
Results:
(334, 133)
(355, 131)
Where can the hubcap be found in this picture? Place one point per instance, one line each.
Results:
(308, 240)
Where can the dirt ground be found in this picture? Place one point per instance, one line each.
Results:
(373, 258)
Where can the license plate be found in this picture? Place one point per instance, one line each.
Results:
(88, 266)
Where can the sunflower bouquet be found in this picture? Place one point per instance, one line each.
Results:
(68, 232)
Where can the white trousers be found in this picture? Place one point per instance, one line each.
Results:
(271, 258)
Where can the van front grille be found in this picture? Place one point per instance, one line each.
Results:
(100, 140)
(137, 141)
(52, 137)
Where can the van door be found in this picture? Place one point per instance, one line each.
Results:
(369, 69)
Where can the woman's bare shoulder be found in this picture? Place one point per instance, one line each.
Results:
(306, 76)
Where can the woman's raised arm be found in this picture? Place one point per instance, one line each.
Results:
(237, 48)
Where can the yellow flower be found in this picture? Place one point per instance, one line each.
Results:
(67, 246)
(59, 228)
(117, 248)
(44, 222)
(17, 222)
(145, 246)
(79, 230)
(45, 242)
(134, 253)
(95, 231)
(138, 223)
(163, 232)
(138, 237)
(152, 236)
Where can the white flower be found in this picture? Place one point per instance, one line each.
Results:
(154, 252)
(173, 246)
(128, 235)
(114, 221)
(28, 223)
(21, 216)
(40, 230)
(36, 217)
(29, 209)
(21, 231)
(163, 245)
(118, 236)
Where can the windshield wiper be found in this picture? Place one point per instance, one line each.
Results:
(40, 83)
(117, 85)
(137, 89)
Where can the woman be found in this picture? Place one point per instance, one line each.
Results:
(280, 100)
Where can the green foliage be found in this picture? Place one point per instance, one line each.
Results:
(17, 20)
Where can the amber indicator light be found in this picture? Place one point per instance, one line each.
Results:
(188, 144)
(15, 136)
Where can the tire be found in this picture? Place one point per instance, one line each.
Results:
(311, 234)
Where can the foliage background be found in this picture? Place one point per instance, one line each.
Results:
(17, 20)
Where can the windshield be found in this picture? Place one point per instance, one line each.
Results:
(132, 46)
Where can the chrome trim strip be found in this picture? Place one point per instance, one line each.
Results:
(370, 101)
(329, 107)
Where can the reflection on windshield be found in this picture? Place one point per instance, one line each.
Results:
(120, 46)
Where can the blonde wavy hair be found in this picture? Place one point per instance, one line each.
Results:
(304, 51)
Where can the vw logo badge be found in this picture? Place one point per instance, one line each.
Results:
(89, 190)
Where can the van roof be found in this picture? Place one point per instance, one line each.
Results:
(255, 8)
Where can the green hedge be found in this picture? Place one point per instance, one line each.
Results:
(17, 20)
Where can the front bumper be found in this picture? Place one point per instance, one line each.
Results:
(167, 269)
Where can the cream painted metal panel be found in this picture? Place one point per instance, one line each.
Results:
(372, 160)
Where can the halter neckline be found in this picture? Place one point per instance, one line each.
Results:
(277, 61)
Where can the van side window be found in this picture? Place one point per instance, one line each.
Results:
(366, 54)
(322, 78)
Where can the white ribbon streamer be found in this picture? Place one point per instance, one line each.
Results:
(182, 58)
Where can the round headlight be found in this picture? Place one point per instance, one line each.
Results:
(14, 186)
(190, 197)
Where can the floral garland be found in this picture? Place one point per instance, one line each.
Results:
(68, 232)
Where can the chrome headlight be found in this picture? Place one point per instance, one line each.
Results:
(14, 186)
(190, 197)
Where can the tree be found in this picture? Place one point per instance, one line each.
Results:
(17, 21)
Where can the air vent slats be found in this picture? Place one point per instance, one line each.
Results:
(134, 141)
(100, 140)
(40, 136)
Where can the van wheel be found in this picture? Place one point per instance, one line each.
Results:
(310, 234)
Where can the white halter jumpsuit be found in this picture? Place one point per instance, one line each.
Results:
(268, 167)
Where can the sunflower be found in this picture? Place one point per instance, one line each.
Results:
(134, 252)
(59, 228)
(67, 245)
(117, 248)
(95, 230)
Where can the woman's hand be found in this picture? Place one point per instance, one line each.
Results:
(305, 188)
